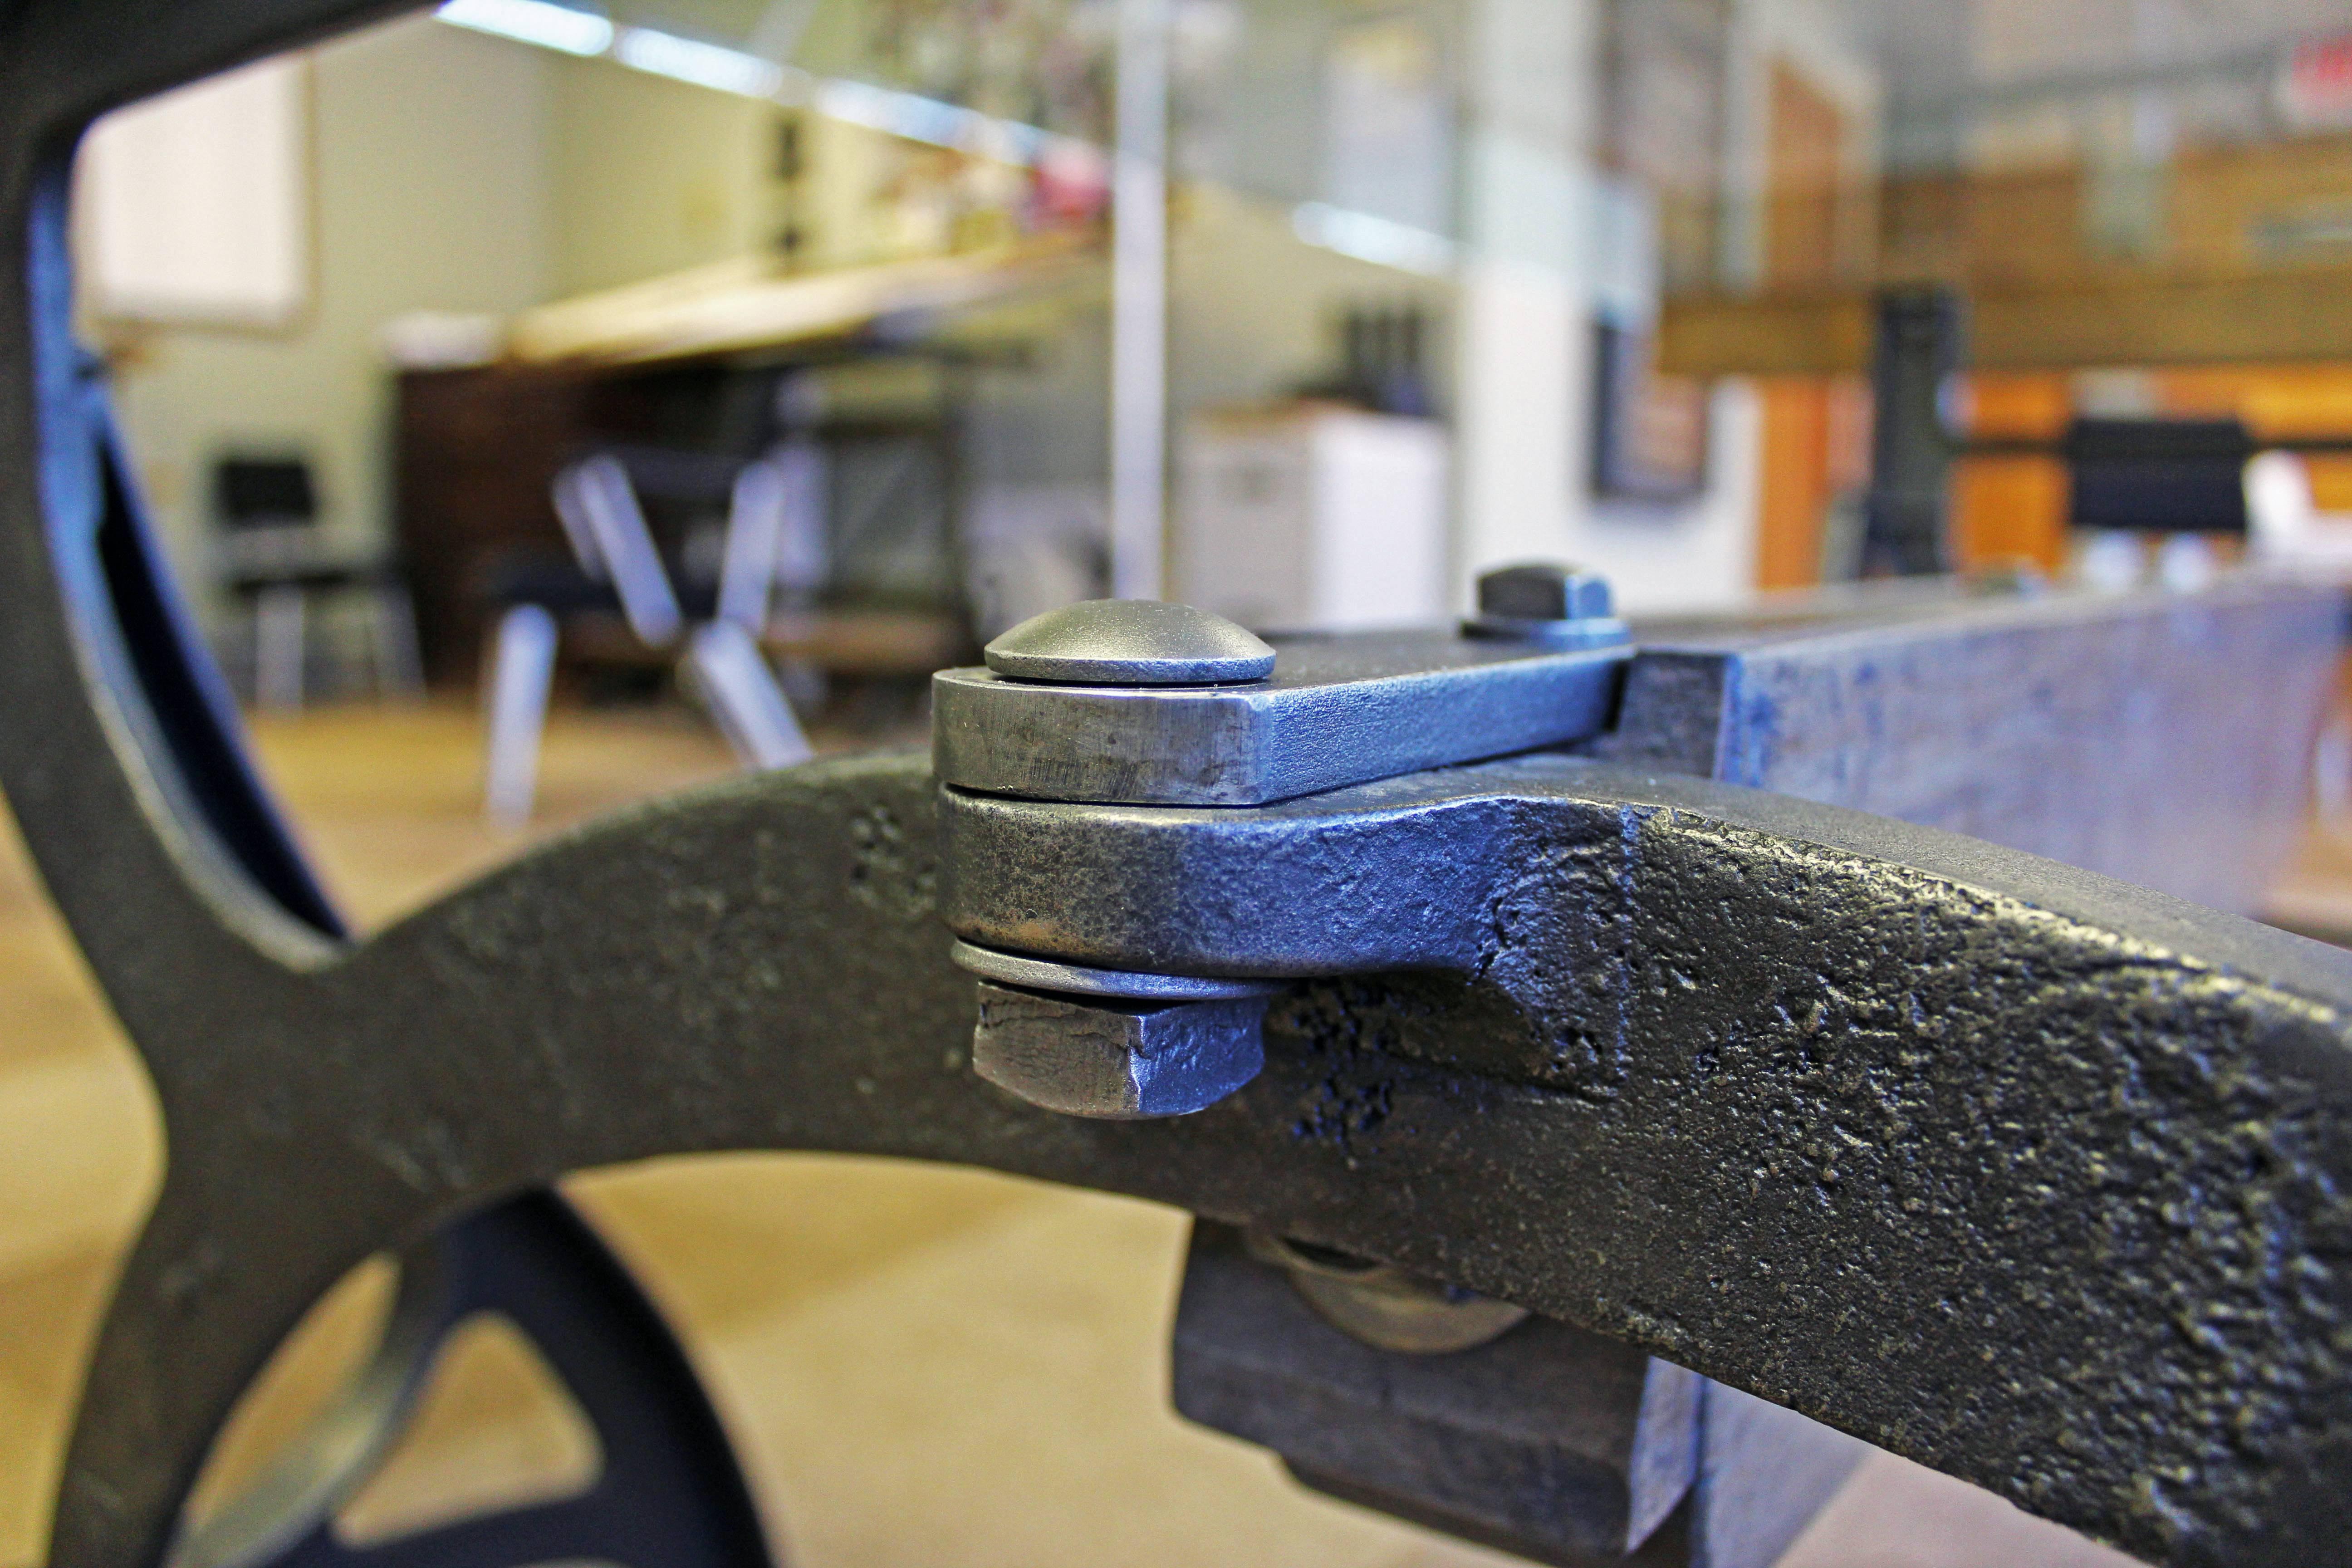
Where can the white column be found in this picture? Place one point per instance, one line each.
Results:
(1745, 150)
(1525, 339)
(1139, 353)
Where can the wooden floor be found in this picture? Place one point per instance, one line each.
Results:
(920, 1366)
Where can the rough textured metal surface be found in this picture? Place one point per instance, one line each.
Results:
(2159, 738)
(1130, 642)
(1563, 1445)
(1337, 711)
(2151, 1098)
(1116, 1058)
(1764, 1146)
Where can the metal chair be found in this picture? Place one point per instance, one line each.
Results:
(276, 554)
(614, 548)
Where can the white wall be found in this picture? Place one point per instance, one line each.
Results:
(1524, 354)
(1523, 360)
(650, 175)
(1253, 308)
(1691, 555)
(429, 156)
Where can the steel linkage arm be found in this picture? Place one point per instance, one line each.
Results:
(2026, 1174)
(2023, 1174)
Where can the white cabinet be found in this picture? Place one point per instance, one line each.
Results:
(1313, 516)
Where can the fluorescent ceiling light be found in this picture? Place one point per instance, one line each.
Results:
(919, 118)
(901, 113)
(905, 114)
(533, 22)
(705, 64)
(1378, 240)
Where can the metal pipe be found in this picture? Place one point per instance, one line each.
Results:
(1139, 356)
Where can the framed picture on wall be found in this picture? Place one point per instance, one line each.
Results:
(194, 209)
(1648, 431)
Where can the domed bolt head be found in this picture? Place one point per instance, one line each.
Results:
(1130, 642)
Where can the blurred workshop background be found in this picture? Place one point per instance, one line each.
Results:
(544, 406)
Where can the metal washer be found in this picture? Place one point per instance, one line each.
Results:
(1044, 975)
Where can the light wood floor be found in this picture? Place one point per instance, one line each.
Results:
(920, 1366)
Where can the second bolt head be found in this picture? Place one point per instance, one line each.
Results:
(1544, 590)
(1563, 608)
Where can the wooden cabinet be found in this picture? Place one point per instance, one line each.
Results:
(474, 453)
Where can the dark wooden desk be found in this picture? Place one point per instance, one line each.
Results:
(476, 451)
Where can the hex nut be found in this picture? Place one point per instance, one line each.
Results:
(1544, 590)
(1563, 607)
(1117, 1060)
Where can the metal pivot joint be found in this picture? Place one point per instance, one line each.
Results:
(1099, 1043)
(1122, 704)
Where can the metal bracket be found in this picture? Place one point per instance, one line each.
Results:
(1334, 712)
(1542, 1440)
